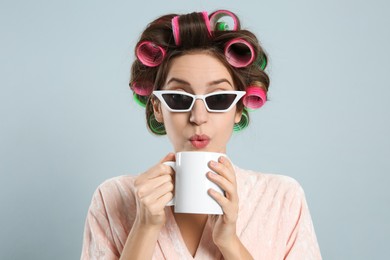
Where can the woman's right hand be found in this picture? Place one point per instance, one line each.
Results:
(153, 191)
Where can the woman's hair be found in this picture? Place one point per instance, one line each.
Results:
(173, 35)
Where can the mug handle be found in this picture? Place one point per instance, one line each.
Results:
(173, 166)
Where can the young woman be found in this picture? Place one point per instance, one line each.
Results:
(197, 77)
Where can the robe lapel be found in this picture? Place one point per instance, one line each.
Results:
(207, 249)
(170, 241)
(173, 246)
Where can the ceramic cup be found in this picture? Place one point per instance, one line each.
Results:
(192, 184)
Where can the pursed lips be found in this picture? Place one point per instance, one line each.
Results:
(199, 141)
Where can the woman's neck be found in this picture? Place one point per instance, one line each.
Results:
(191, 228)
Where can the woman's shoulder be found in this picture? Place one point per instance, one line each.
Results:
(121, 181)
(267, 182)
(265, 177)
(118, 188)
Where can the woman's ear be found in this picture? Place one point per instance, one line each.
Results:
(157, 111)
(238, 115)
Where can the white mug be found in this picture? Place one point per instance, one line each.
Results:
(192, 184)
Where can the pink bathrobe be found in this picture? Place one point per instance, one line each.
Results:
(274, 221)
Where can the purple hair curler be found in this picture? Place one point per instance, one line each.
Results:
(255, 97)
(150, 54)
(216, 16)
(176, 31)
(239, 53)
(144, 88)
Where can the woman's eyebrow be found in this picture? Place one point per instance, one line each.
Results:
(219, 81)
(181, 81)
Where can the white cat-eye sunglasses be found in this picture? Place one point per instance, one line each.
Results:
(181, 101)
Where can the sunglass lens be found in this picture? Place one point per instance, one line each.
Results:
(220, 101)
(178, 101)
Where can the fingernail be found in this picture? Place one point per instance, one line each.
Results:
(212, 163)
(211, 174)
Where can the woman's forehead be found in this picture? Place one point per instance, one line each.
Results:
(198, 68)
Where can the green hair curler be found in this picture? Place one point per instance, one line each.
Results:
(140, 100)
(222, 26)
(262, 61)
(155, 126)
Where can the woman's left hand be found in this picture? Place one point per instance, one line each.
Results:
(224, 233)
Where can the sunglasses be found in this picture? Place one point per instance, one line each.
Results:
(180, 101)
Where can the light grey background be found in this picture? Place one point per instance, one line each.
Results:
(68, 121)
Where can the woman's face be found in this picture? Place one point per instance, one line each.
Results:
(198, 130)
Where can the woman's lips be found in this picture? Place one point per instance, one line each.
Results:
(200, 141)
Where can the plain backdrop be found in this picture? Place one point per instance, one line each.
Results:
(68, 121)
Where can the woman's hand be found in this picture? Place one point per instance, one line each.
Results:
(224, 232)
(153, 190)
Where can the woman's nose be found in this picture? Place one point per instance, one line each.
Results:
(199, 113)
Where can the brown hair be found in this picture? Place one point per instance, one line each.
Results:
(194, 37)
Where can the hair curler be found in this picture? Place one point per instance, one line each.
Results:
(175, 30)
(140, 100)
(144, 88)
(255, 97)
(262, 61)
(239, 53)
(207, 22)
(221, 26)
(155, 126)
(215, 22)
(150, 54)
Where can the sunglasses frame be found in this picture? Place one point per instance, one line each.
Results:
(159, 94)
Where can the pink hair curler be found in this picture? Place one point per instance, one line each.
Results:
(150, 54)
(255, 97)
(207, 22)
(216, 17)
(175, 30)
(239, 53)
(144, 88)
